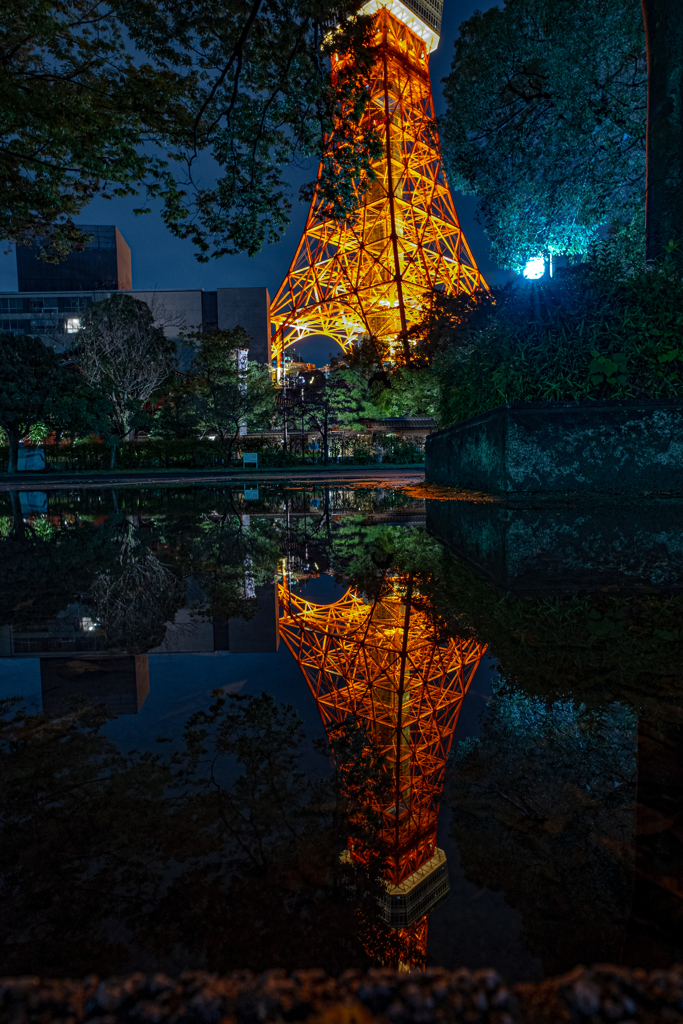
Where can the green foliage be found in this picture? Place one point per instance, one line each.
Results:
(365, 555)
(36, 390)
(42, 569)
(109, 572)
(411, 391)
(351, 398)
(376, 390)
(591, 334)
(86, 455)
(545, 120)
(224, 391)
(400, 450)
(217, 555)
(76, 107)
(111, 100)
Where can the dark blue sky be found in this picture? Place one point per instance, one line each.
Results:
(161, 261)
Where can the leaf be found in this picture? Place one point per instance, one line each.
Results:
(669, 356)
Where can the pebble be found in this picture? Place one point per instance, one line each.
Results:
(602, 994)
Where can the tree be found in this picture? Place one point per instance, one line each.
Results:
(545, 120)
(351, 397)
(134, 604)
(111, 98)
(36, 388)
(224, 390)
(307, 400)
(121, 350)
(43, 566)
(663, 22)
(76, 108)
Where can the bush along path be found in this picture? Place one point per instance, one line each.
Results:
(595, 333)
(195, 454)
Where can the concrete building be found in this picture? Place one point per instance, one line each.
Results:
(52, 297)
(103, 264)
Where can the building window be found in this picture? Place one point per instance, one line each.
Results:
(74, 303)
(11, 306)
(14, 326)
(48, 307)
(72, 324)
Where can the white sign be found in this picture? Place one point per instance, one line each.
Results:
(249, 459)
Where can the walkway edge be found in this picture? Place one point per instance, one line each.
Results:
(328, 474)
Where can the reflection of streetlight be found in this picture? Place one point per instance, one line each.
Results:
(534, 268)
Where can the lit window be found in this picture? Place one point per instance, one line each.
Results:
(73, 324)
(534, 269)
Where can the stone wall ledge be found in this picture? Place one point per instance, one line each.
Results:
(632, 447)
(600, 993)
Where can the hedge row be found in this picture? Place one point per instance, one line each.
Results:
(89, 456)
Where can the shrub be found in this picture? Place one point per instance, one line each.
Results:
(592, 334)
(401, 450)
(192, 453)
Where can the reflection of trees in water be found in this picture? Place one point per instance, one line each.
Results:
(595, 653)
(544, 810)
(133, 606)
(223, 854)
(98, 549)
(229, 555)
(598, 648)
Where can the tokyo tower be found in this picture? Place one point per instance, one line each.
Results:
(369, 276)
(383, 665)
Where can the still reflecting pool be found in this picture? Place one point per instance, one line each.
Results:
(337, 726)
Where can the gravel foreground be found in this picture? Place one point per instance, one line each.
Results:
(601, 993)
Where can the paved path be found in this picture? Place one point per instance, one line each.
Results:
(393, 475)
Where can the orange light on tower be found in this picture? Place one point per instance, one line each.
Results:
(370, 274)
(383, 665)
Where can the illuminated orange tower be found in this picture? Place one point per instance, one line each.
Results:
(383, 665)
(370, 275)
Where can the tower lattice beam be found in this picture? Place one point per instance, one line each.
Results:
(383, 666)
(374, 274)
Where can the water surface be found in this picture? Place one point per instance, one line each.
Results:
(338, 725)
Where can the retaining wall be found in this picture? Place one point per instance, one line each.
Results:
(608, 448)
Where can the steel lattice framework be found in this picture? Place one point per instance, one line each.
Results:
(383, 665)
(370, 275)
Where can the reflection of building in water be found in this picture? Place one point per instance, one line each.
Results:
(384, 665)
(77, 661)
(118, 682)
(75, 631)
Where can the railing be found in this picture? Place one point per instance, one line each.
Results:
(91, 456)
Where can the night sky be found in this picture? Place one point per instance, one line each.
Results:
(162, 261)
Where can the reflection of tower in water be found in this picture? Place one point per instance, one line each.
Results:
(384, 665)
